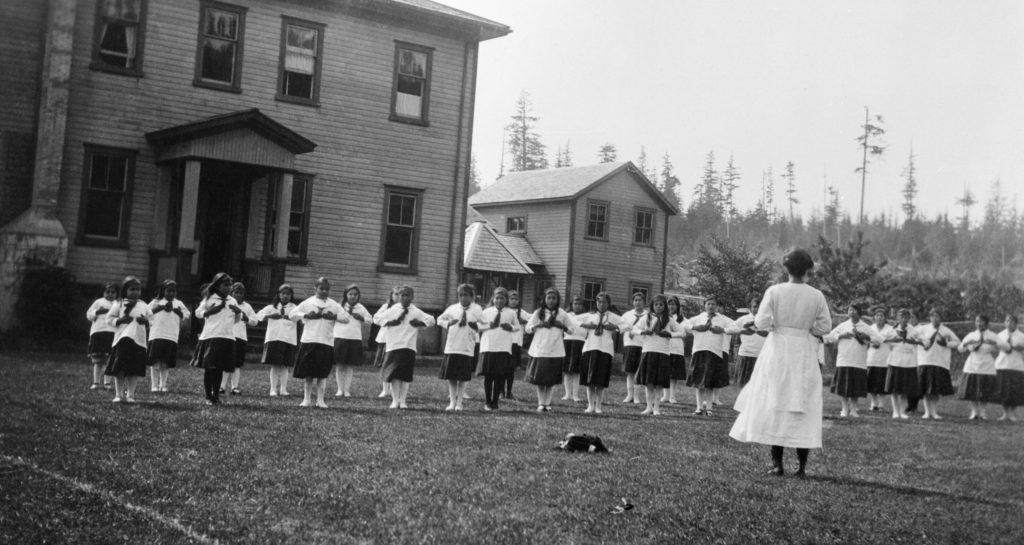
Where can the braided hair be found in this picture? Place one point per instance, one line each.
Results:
(551, 313)
(663, 317)
(276, 302)
(344, 303)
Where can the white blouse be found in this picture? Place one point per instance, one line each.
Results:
(630, 319)
(496, 339)
(317, 330)
(166, 324)
(246, 318)
(99, 321)
(605, 341)
(931, 352)
(353, 330)
(983, 360)
(281, 329)
(132, 330)
(654, 342)
(576, 334)
(851, 353)
(1012, 360)
(903, 353)
(750, 345)
(677, 346)
(377, 320)
(522, 317)
(403, 335)
(878, 353)
(461, 339)
(706, 341)
(220, 325)
(547, 341)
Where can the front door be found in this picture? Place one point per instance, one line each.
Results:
(222, 218)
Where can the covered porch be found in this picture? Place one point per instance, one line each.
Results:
(226, 201)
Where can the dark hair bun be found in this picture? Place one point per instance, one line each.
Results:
(797, 262)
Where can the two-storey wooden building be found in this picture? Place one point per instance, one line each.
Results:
(278, 140)
(595, 228)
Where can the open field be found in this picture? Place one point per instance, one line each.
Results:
(169, 469)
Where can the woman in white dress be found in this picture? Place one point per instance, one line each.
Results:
(781, 406)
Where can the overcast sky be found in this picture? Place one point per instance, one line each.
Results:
(768, 82)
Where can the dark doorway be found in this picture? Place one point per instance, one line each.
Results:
(222, 217)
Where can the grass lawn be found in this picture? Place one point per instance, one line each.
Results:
(75, 468)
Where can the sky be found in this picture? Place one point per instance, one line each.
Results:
(768, 83)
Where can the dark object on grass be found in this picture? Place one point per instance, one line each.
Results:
(620, 509)
(582, 443)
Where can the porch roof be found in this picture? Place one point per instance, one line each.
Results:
(486, 250)
(247, 136)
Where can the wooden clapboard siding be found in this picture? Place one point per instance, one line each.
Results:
(359, 149)
(618, 260)
(547, 230)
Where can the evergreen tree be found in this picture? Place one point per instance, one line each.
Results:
(707, 193)
(730, 183)
(910, 188)
(474, 176)
(843, 275)
(641, 163)
(966, 202)
(669, 181)
(607, 153)
(790, 177)
(567, 155)
(995, 208)
(525, 146)
(733, 272)
(870, 143)
(769, 193)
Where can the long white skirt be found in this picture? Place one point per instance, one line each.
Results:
(782, 405)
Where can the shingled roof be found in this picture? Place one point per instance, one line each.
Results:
(487, 250)
(560, 184)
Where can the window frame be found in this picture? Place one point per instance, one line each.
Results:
(606, 223)
(591, 304)
(140, 41)
(121, 241)
(270, 228)
(508, 228)
(411, 268)
(236, 78)
(636, 226)
(320, 29)
(424, 118)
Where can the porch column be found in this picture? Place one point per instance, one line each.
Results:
(187, 229)
(284, 210)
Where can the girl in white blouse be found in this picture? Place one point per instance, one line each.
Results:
(632, 345)
(279, 344)
(348, 339)
(598, 350)
(499, 326)
(547, 351)
(980, 385)
(461, 322)
(101, 334)
(678, 353)
(130, 316)
(215, 352)
(1010, 368)
(316, 348)
(517, 340)
(710, 370)
(401, 329)
(169, 313)
(382, 349)
(573, 352)
(901, 377)
(852, 339)
(878, 360)
(933, 358)
(246, 318)
(657, 329)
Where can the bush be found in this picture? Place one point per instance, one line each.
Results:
(45, 299)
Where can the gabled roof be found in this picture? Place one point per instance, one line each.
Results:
(486, 250)
(557, 184)
(431, 16)
(253, 119)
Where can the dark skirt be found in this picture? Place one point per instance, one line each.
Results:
(378, 358)
(495, 364)
(744, 368)
(163, 351)
(217, 353)
(315, 360)
(126, 359)
(876, 379)
(279, 353)
(709, 371)
(655, 370)
(631, 359)
(678, 366)
(981, 388)
(850, 382)
(517, 358)
(934, 381)
(573, 353)
(398, 365)
(240, 345)
(100, 344)
(902, 380)
(1011, 387)
(544, 371)
(349, 352)
(456, 367)
(595, 369)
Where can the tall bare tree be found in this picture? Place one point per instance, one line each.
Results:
(870, 142)
(910, 187)
(790, 177)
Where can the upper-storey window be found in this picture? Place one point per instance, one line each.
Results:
(410, 95)
(597, 220)
(108, 174)
(301, 56)
(118, 41)
(643, 227)
(219, 55)
(515, 225)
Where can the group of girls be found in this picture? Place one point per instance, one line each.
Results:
(910, 363)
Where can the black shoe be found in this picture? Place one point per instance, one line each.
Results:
(777, 471)
(221, 391)
(800, 473)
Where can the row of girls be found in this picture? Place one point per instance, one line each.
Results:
(911, 363)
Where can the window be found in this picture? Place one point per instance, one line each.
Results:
(637, 287)
(643, 227)
(301, 56)
(118, 41)
(515, 225)
(219, 54)
(597, 220)
(410, 94)
(591, 287)
(401, 230)
(106, 196)
(298, 218)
